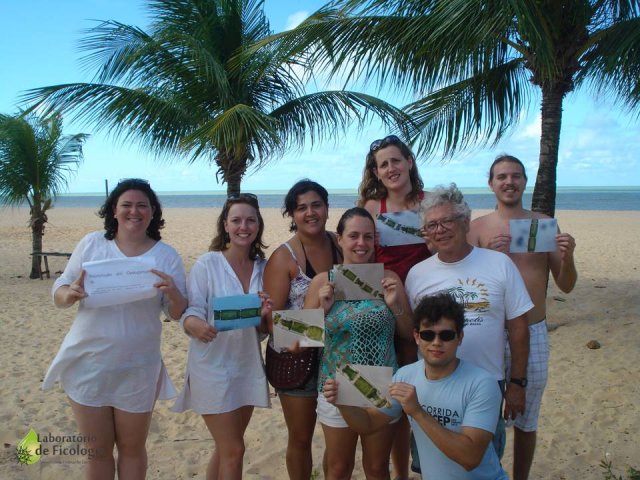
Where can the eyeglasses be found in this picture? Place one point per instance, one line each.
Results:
(444, 335)
(446, 223)
(383, 142)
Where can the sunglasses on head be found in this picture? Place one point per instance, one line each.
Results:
(444, 335)
(243, 196)
(383, 142)
(134, 181)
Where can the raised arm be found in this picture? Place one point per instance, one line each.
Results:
(320, 293)
(177, 302)
(561, 263)
(396, 299)
(67, 295)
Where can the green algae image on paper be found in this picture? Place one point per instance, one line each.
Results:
(26, 451)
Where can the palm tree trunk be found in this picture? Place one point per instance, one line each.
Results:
(544, 193)
(232, 170)
(38, 220)
(233, 186)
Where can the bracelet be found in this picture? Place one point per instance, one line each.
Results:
(399, 313)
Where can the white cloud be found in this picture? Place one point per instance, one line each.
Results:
(296, 19)
(532, 130)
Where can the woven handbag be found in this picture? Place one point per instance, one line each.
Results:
(286, 370)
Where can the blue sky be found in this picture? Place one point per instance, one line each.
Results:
(39, 47)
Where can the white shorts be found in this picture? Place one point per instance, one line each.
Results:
(537, 372)
(328, 414)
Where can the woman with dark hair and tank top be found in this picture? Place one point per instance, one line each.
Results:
(287, 276)
(391, 183)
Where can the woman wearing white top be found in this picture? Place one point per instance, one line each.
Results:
(109, 363)
(225, 376)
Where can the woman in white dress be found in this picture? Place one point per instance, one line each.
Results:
(109, 363)
(225, 376)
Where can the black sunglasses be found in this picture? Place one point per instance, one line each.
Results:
(134, 181)
(247, 197)
(235, 196)
(444, 335)
(383, 142)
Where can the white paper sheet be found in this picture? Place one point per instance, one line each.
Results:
(377, 377)
(285, 333)
(528, 238)
(358, 281)
(117, 281)
(399, 228)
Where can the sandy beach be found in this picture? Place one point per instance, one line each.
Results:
(590, 406)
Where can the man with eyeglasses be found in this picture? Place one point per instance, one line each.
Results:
(508, 180)
(488, 285)
(453, 405)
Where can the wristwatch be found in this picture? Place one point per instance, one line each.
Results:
(519, 381)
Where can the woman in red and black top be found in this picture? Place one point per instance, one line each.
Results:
(391, 183)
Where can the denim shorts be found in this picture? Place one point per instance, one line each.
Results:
(309, 389)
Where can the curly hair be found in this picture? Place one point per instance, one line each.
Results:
(220, 242)
(441, 195)
(371, 188)
(107, 210)
(300, 188)
(431, 309)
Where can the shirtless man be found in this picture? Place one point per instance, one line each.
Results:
(507, 180)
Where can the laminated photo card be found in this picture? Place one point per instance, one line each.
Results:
(533, 235)
(236, 311)
(358, 281)
(118, 281)
(363, 385)
(399, 228)
(303, 326)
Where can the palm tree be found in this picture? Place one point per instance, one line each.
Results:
(187, 87)
(474, 64)
(35, 160)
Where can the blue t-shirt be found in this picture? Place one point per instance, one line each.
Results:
(469, 397)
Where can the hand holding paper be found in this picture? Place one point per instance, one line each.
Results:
(405, 394)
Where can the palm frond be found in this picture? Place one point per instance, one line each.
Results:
(36, 159)
(329, 114)
(473, 111)
(611, 65)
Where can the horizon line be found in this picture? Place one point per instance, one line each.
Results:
(350, 191)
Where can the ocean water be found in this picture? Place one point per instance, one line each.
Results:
(567, 198)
